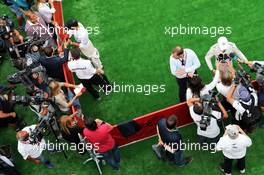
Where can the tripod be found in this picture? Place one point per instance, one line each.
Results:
(96, 157)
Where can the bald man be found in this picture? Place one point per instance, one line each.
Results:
(31, 151)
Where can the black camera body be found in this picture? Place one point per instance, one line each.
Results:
(209, 103)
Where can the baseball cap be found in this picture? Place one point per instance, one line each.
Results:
(232, 131)
(243, 94)
(222, 43)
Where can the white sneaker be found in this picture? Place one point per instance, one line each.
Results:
(243, 171)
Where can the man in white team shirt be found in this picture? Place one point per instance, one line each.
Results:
(183, 64)
(88, 74)
(233, 144)
(212, 131)
(221, 51)
(83, 42)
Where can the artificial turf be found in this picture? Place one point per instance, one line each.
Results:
(135, 50)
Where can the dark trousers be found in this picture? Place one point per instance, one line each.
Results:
(112, 157)
(182, 82)
(241, 165)
(99, 80)
(205, 140)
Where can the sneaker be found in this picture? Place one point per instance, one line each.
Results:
(49, 165)
(221, 167)
(188, 160)
(99, 99)
(243, 171)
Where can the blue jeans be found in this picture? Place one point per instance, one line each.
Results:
(76, 102)
(179, 158)
(112, 157)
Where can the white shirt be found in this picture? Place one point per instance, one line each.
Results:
(81, 36)
(212, 130)
(83, 68)
(215, 51)
(234, 148)
(207, 88)
(191, 63)
(27, 149)
(46, 12)
(222, 89)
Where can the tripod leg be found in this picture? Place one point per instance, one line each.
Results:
(54, 133)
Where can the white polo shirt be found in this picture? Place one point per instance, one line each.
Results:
(191, 63)
(83, 68)
(27, 149)
(234, 148)
(212, 130)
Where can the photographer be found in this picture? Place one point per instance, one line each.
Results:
(7, 166)
(233, 144)
(247, 113)
(7, 114)
(32, 151)
(258, 67)
(170, 140)
(36, 26)
(207, 134)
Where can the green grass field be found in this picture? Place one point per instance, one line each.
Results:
(135, 50)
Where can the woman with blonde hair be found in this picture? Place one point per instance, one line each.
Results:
(61, 100)
(70, 128)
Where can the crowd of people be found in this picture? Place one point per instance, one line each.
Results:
(232, 98)
(40, 59)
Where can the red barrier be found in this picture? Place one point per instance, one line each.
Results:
(149, 121)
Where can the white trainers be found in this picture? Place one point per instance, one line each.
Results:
(243, 171)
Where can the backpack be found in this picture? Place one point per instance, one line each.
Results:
(251, 117)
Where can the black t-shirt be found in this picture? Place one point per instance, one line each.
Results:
(5, 106)
(168, 137)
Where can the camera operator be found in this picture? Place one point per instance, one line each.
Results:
(36, 26)
(54, 63)
(98, 132)
(258, 66)
(8, 115)
(221, 50)
(16, 6)
(29, 150)
(247, 114)
(210, 133)
(196, 87)
(170, 140)
(7, 166)
(233, 144)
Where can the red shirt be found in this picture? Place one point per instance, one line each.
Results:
(101, 137)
